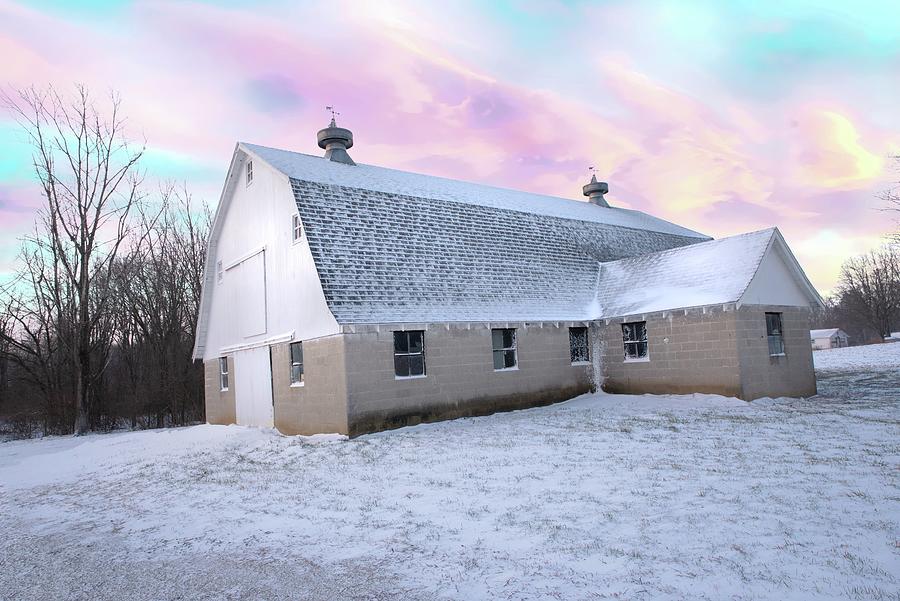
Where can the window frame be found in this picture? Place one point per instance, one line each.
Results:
(586, 346)
(224, 380)
(408, 353)
(249, 172)
(773, 335)
(296, 228)
(302, 380)
(505, 350)
(635, 342)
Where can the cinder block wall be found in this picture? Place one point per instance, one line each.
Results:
(460, 378)
(320, 404)
(793, 374)
(693, 352)
(220, 408)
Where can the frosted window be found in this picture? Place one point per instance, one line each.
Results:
(579, 348)
(223, 373)
(775, 333)
(296, 362)
(409, 353)
(504, 347)
(634, 337)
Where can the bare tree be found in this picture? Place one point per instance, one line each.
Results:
(88, 175)
(891, 197)
(160, 287)
(869, 289)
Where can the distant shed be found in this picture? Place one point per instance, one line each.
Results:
(828, 338)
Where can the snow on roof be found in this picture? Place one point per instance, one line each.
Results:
(708, 273)
(380, 179)
(824, 333)
(388, 258)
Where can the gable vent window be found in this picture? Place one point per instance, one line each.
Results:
(296, 228)
(634, 337)
(296, 364)
(504, 347)
(775, 334)
(579, 347)
(409, 354)
(249, 172)
(223, 373)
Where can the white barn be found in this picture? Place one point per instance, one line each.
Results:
(350, 298)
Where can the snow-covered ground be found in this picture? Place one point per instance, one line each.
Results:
(873, 356)
(606, 496)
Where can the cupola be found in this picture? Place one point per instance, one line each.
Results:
(595, 190)
(335, 141)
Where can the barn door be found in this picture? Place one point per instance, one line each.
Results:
(253, 387)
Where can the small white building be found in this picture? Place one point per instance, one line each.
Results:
(828, 338)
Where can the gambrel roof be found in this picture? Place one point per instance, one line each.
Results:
(392, 247)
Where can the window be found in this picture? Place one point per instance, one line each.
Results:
(774, 333)
(296, 363)
(296, 228)
(634, 336)
(249, 172)
(223, 373)
(579, 349)
(504, 344)
(409, 354)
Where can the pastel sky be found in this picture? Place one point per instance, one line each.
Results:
(721, 116)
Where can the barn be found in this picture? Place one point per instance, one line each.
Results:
(350, 298)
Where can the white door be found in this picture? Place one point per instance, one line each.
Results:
(253, 387)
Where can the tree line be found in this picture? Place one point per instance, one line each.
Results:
(866, 301)
(97, 324)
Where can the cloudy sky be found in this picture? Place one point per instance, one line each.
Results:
(721, 116)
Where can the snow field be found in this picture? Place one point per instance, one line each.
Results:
(606, 496)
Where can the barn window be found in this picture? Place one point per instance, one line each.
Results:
(775, 334)
(249, 172)
(634, 337)
(409, 354)
(223, 373)
(504, 346)
(296, 364)
(579, 349)
(296, 228)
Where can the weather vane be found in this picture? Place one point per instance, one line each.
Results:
(334, 114)
(592, 170)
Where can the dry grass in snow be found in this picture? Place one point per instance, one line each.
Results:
(606, 496)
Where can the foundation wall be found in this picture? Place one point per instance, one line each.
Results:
(762, 375)
(688, 353)
(320, 403)
(220, 406)
(460, 378)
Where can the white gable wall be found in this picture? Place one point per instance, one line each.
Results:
(269, 286)
(775, 283)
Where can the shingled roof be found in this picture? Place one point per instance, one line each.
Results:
(393, 247)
